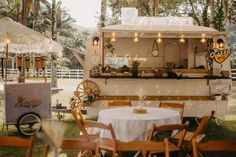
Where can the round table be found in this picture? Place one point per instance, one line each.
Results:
(129, 126)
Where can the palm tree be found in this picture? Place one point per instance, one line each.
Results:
(212, 14)
(155, 6)
(54, 37)
(103, 13)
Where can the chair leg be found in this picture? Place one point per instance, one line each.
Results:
(119, 154)
(113, 154)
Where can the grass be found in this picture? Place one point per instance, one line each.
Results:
(226, 130)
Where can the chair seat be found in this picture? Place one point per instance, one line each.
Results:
(189, 136)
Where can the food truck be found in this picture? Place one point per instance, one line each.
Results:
(160, 59)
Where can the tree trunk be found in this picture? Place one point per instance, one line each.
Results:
(24, 15)
(103, 13)
(155, 6)
(25, 11)
(212, 14)
(226, 11)
(193, 15)
(53, 56)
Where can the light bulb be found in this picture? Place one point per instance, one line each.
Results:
(113, 39)
(135, 39)
(159, 34)
(221, 45)
(135, 34)
(159, 40)
(8, 41)
(95, 43)
(182, 40)
(113, 34)
(203, 40)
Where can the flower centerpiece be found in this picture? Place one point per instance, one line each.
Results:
(142, 97)
(52, 133)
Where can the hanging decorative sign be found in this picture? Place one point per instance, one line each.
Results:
(220, 55)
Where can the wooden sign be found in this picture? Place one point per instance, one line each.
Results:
(27, 62)
(19, 62)
(220, 55)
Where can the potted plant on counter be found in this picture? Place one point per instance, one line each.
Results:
(135, 64)
(113, 71)
(125, 70)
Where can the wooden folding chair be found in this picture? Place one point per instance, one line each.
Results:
(213, 146)
(176, 106)
(119, 104)
(79, 144)
(79, 120)
(198, 133)
(179, 128)
(157, 130)
(104, 143)
(108, 144)
(13, 141)
(146, 146)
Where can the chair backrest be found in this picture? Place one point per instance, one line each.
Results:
(177, 106)
(119, 104)
(79, 120)
(84, 125)
(169, 128)
(13, 141)
(81, 144)
(213, 146)
(203, 124)
(146, 147)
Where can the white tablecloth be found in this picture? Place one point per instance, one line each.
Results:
(129, 126)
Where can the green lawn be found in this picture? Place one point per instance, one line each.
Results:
(226, 130)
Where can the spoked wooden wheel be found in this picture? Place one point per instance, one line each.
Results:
(28, 124)
(86, 90)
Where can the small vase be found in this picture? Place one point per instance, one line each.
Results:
(134, 73)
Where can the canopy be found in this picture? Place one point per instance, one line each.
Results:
(23, 39)
(190, 31)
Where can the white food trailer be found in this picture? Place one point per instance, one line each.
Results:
(179, 62)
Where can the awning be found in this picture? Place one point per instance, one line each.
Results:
(172, 31)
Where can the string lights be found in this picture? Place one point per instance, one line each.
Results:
(113, 37)
(136, 37)
(159, 40)
(203, 39)
(182, 39)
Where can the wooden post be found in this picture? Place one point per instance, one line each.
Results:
(6, 62)
(212, 14)
(103, 48)
(2, 67)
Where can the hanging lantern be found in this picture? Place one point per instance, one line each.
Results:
(95, 41)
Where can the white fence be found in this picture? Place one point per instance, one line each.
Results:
(61, 73)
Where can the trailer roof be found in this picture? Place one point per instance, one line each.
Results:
(172, 31)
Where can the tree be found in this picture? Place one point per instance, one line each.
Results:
(232, 12)
(103, 13)
(54, 37)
